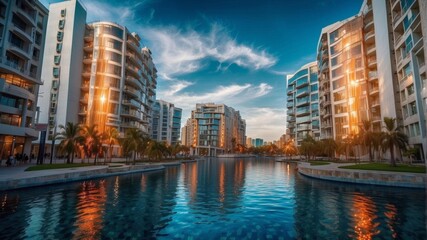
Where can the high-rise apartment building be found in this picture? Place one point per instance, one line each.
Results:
(97, 73)
(408, 20)
(166, 122)
(372, 66)
(22, 37)
(214, 129)
(343, 83)
(303, 103)
(62, 66)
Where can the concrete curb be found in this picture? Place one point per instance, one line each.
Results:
(393, 179)
(10, 184)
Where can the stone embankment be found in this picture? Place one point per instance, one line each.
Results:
(332, 172)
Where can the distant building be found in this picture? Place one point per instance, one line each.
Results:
(257, 142)
(166, 122)
(248, 142)
(22, 41)
(303, 103)
(214, 129)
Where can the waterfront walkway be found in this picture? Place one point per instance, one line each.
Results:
(16, 177)
(332, 172)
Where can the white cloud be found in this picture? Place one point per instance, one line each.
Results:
(230, 95)
(179, 52)
(265, 123)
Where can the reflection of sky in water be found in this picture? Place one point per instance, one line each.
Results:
(242, 199)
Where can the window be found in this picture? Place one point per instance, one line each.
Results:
(55, 84)
(412, 108)
(57, 59)
(63, 12)
(314, 87)
(408, 43)
(407, 70)
(410, 89)
(58, 47)
(315, 97)
(38, 39)
(60, 36)
(56, 72)
(61, 24)
(403, 95)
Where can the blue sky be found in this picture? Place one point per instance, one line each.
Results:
(235, 52)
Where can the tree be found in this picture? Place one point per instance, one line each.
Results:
(93, 141)
(156, 149)
(366, 136)
(70, 138)
(308, 147)
(111, 137)
(233, 144)
(392, 138)
(329, 147)
(289, 148)
(135, 141)
(376, 144)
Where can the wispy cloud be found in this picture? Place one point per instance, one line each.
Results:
(232, 94)
(266, 123)
(179, 52)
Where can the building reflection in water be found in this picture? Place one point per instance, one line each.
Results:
(365, 227)
(221, 182)
(91, 206)
(391, 214)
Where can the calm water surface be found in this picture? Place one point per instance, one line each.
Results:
(214, 199)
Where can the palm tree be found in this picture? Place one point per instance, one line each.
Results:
(135, 141)
(308, 147)
(376, 143)
(329, 147)
(392, 137)
(111, 137)
(366, 136)
(93, 141)
(70, 138)
(156, 149)
(289, 147)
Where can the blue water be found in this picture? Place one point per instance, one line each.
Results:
(214, 199)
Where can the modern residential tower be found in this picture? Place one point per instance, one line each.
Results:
(214, 129)
(166, 122)
(22, 37)
(97, 73)
(303, 103)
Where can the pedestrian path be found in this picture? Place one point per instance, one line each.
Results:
(332, 172)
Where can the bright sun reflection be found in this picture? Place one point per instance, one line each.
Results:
(365, 228)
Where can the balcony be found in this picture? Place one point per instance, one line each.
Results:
(132, 70)
(131, 91)
(370, 50)
(374, 90)
(84, 87)
(132, 103)
(28, 16)
(376, 118)
(372, 62)
(302, 102)
(372, 75)
(131, 114)
(134, 82)
(86, 73)
(88, 38)
(129, 125)
(87, 59)
(375, 103)
(324, 67)
(290, 105)
(22, 33)
(82, 112)
(132, 45)
(21, 51)
(370, 37)
(88, 47)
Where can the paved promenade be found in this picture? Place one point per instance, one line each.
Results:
(334, 173)
(16, 177)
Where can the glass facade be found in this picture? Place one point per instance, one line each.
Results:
(302, 103)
